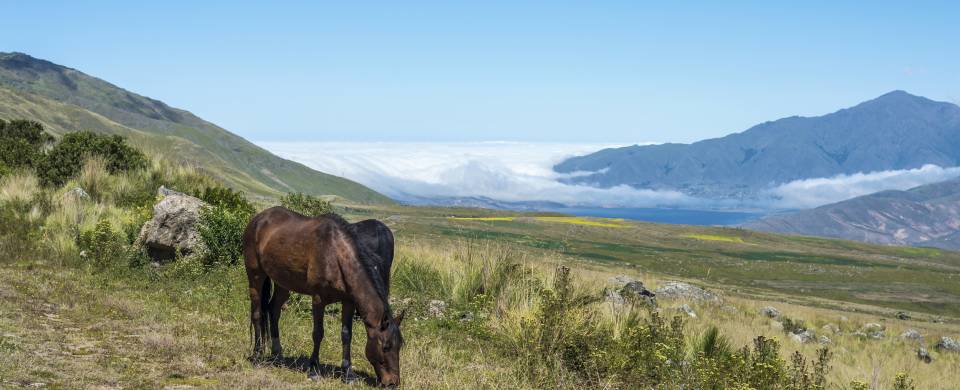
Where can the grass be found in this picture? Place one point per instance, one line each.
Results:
(68, 322)
(507, 219)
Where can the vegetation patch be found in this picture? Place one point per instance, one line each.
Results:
(615, 223)
(714, 237)
(502, 219)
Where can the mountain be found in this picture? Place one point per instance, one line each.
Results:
(894, 131)
(66, 99)
(928, 215)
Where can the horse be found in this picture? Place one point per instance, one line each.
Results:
(324, 258)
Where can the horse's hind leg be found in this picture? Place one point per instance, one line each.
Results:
(346, 337)
(318, 308)
(276, 304)
(256, 282)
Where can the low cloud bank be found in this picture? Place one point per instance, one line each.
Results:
(517, 172)
(505, 171)
(810, 193)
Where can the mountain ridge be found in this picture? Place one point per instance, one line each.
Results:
(42, 90)
(927, 215)
(896, 130)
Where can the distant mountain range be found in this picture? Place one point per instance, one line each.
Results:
(66, 99)
(894, 131)
(928, 215)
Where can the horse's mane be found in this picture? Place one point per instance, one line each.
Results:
(367, 258)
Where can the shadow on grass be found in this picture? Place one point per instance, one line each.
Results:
(327, 371)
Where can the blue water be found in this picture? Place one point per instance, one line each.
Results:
(663, 215)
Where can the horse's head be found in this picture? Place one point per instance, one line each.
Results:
(383, 350)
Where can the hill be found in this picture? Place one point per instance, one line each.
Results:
(894, 131)
(928, 215)
(66, 99)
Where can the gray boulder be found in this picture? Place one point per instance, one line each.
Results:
(677, 290)
(770, 312)
(624, 289)
(686, 309)
(173, 228)
(873, 330)
(803, 337)
(924, 355)
(76, 193)
(911, 334)
(947, 344)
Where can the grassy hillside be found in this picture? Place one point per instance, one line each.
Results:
(65, 99)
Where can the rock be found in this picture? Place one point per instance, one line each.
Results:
(686, 309)
(947, 344)
(831, 328)
(674, 290)
(924, 356)
(163, 191)
(624, 289)
(902, 315)
(911, 334)
(730, 309)
(76, 193)
(770, 312)
(844, 319)
(436, 308)
(873, 330)
(173, 227)
(938, 320)
(466, 316)
(824, 340)
(803, 337)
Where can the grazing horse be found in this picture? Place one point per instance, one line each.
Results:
(321, 257)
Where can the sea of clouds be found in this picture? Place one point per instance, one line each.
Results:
(519, 171)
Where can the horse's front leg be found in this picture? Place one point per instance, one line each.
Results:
(346, 337)
(318, 308)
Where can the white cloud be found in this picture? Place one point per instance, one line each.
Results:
(809, 193)
(513, 171)
(506, 171)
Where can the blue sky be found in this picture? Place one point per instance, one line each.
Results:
(525, 71)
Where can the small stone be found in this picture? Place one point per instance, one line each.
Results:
(938, 320)
(803, 337)
(844, 319)
(947, 344)
(901, 315)
(466, 317)
(873, 330)
(77, 193)
(730, 309)
(436, 308)
(911, 334)
(824, 340)
(770, 312)
(831, 328)
(687, 310)
(924, 356)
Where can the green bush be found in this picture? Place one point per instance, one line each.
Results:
(223, 197)
(64, 161)
(221, 231)
(21, 144)
(102, 247)
(308, 205)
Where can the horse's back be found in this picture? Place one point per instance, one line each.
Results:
(295, 251)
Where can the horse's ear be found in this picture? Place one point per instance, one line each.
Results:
(399, 318)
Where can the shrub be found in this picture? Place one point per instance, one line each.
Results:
(223, 197)
(221, 231)
(305, 204)
(66, 158)
(21, 144)
(102, 247)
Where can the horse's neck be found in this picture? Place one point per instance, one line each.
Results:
(364, 293)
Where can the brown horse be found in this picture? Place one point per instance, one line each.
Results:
(320, 257)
